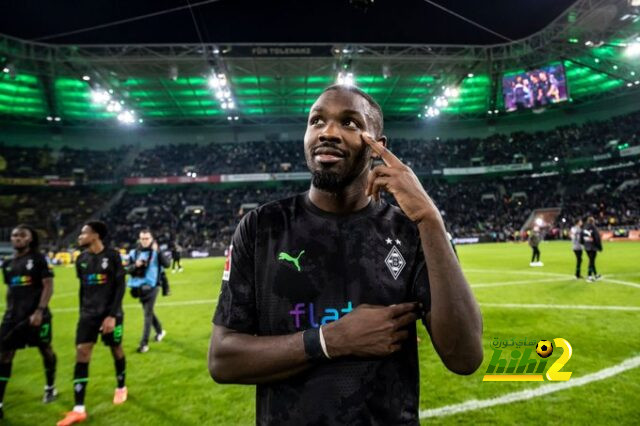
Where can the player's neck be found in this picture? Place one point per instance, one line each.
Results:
(349, 199)
(21, 252)
(96, 247)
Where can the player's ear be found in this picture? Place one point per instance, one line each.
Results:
(383, 140)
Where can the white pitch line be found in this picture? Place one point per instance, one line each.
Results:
(565, 276)
(527, 394)
(507, 271)
(627, 283)
(575, 307)
(499, 284)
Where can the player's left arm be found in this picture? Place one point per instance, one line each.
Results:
(109, 322)
(455, 321)
(46, 274)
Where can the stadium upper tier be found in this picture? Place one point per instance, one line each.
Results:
(599, 140)
(591, 44)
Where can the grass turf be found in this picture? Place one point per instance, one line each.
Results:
(170, 385)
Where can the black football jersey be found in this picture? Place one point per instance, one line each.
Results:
(101, 282)
(23, 276)
(293, 266)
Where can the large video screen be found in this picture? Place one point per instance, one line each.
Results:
(534, 89)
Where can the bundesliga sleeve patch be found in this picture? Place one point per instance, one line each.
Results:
(227, 264)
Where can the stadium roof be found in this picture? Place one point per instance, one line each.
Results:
(253, 21)
(171, 84)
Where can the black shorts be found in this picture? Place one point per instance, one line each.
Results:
(18, 333)
(89, 328)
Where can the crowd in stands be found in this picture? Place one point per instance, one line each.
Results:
(494, 208)
(55, 212)
(565, 142)
(204, 216)
(195, 217)
(16, 161)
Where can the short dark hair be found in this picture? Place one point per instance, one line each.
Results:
(145, 231)
(35, 239)
(377, 118)
(99, 227)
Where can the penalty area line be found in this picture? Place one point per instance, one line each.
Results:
(527, 394)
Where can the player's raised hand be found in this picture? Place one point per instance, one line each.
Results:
(370, 330)
(399, 180)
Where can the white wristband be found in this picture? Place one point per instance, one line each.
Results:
(323, 344)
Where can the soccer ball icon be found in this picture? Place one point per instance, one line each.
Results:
(544, 348)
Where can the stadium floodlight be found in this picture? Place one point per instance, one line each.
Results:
(231, 105)
(214, 83)
(127, 117)
(442, 102)
(470, 75)
(100, 96)
(236, 118)
(9, 69)
(539, 221)
(173, 72)
(114, 106)
(56, 118)
(386, 71)
(451, 92)
(432, 112)
(345, 78)
(49, 118)
(632, 50)
(86, 78)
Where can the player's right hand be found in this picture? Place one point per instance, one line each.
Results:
(36, 319)
(108, 324)
(370, 330)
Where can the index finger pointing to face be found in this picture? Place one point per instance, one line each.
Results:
(387, 156)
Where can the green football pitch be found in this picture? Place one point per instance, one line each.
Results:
(170, 384)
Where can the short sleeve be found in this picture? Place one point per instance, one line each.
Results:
(420, 282)
(236, 308)
(45, 268)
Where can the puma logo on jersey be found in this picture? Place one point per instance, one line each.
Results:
(288, 258)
